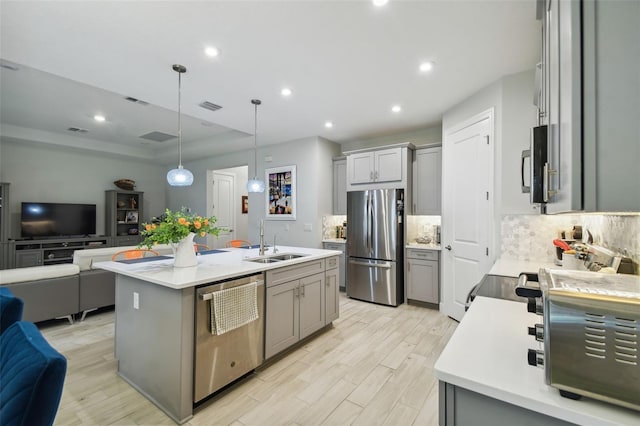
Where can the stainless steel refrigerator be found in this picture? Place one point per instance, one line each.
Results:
(375, 245)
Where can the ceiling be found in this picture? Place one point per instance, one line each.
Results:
(345, 61)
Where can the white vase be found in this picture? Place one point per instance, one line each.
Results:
(183, 252)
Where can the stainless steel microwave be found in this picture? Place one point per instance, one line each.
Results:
(537, 160)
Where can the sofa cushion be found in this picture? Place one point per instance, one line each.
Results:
(86, 258)
(10, 308)
(32, 377)
(35, 273)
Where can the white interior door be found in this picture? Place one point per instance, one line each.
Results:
(467, 223)
(223, 207)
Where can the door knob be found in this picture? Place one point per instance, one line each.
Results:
(448, 247)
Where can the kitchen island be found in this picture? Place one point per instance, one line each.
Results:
(485, 378)
(155, 315)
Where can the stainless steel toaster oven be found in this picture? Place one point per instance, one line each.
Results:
(590, 330)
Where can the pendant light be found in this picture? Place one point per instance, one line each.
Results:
(179, 176)
(255, 184)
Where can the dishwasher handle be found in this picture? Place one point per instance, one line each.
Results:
(209, 295)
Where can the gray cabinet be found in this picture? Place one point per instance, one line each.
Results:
(5, 212)
(427, 181)
(341, 262)
(124, 216)
(294, 304)
(28, 258)
(312, 304)
(589, 102)
(332, 301)
(340, 186)
(384, 165)
(423, 282)
(52, 251)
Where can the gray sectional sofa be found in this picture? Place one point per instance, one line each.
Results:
(62, 291)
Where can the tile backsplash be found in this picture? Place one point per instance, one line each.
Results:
(329, 224)
(529, 237)
(421, 226)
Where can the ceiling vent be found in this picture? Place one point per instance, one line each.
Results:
(77, 130)
(158, 136)
(136, 101)
(209, 105)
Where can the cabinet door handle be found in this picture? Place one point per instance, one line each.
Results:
(370, 175)
(302, 291)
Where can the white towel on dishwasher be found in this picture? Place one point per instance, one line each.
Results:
(233, 307)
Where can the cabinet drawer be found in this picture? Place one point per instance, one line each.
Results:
(288, 273)
(332, 262)
(422, 254)
(334, 246)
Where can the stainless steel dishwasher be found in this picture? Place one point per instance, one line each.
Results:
(221, 359)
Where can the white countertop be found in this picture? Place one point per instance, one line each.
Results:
(487, 354)
(514, 267)
(423, 246)
(211, 267)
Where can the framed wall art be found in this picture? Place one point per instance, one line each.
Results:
(245, 204)
(281, 193)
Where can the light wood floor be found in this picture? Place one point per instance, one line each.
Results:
(374, 367)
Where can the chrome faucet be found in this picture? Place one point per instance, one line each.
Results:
(275, 250)
(262, 247)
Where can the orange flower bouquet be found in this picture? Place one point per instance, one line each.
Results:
(175, 226)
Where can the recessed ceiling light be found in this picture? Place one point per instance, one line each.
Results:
(426, 66)
(396, 108)
(99, 118)
(328, 124)
(286, 92)
(211, 51)
(380, 3)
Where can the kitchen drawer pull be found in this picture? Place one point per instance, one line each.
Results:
(371, 265)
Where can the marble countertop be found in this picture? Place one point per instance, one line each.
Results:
(487, 354)
(424, 246)
(228, 263)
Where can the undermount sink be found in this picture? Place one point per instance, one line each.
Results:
(286, 256)
(263, 260)
(276, 257)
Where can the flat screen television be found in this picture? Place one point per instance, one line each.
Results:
(57, 219)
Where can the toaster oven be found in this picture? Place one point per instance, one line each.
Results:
(590, 333)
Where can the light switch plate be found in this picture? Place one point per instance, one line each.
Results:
(308, 227)
(136, 300)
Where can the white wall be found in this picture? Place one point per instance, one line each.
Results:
(425, 136)
(518, 118)
(313, 160)
(66, 175)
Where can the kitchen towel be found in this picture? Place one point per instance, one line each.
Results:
(234, 307)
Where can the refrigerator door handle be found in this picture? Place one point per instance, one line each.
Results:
(370, 225)
(385, 265)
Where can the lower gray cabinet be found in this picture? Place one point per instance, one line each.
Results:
(342, 258)
(422, 276)
(332, 302)
(295, 309)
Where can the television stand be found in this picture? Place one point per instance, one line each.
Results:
(51, 251)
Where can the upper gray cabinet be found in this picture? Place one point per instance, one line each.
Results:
(382, 168)
(340, 186)
(589, 91)
(427, 181)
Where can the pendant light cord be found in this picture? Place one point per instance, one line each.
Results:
(179, 120)
(255, 141)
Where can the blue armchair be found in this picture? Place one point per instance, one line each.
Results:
(32, 375)
(10, 308)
